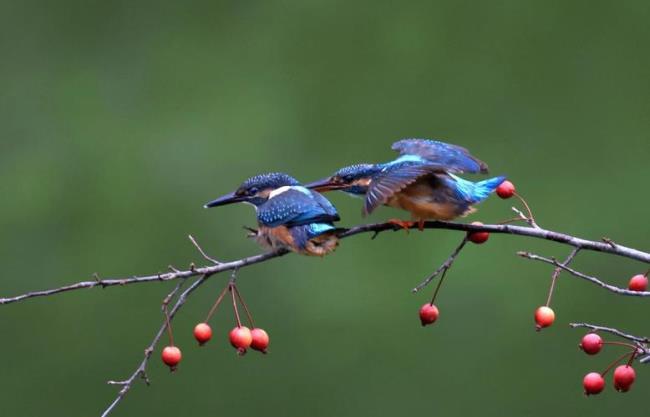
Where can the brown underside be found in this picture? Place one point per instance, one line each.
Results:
(417, 199)
(280, 238)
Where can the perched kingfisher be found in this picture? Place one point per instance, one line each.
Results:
(421, 181)
(289, 216)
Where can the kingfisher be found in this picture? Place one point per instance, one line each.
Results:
(289, 216)
(422, 180)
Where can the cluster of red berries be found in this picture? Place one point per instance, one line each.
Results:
(241, 337)
(591, 344)
(624, 375)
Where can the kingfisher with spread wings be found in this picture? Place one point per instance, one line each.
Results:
(422, 181)
(289, 216)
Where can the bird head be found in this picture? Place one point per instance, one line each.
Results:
(354, 179)
(255, 190)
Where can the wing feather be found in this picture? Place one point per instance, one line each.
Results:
(455, 158)
(393, 180)
(295, 208)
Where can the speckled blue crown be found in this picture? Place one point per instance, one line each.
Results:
(269, 180)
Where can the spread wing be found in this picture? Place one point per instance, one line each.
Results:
(393, 180)
(294, 208)
(455, 158)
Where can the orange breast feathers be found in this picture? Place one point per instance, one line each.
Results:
(419, 199)
(275, 237)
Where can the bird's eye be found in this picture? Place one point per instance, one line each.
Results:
(253, 190)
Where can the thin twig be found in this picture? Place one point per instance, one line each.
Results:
(140, 371)
(611, 330)
(442, 268)
(200, 249)
(169, 276)
(589, 278)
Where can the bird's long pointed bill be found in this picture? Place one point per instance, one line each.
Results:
(323, 185)
(223, 200)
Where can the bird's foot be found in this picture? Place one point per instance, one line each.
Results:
(404, 224)
(421, 225)
(251, 232)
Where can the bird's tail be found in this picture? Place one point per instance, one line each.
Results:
(315, 239)
(303, 233)
(483, 189)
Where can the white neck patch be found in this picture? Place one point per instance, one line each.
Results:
(279, 191)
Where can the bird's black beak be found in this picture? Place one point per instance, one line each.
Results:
(326, 184)
(225, 199)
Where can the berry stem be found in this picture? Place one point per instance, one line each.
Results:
(231, 286)
(620, 344)
(442, 278)
(620, 358)
(248, 313)
(216, 304)
(531, 219)
(556, 274)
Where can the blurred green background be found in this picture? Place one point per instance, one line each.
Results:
(118, 120)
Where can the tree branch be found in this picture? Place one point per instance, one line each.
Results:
(169, 276)
(578, 274)
(611, 330)
(640, 342)
(534, 232)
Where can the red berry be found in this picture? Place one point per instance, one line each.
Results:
(202, 333)
(428, 314)
(624, 377)
(260, 339)
(506, 189)
(478, 237)
(544, 317)
(593, 383)
(638, 283)
(171, 355)
(591, 343)
(240, 338)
